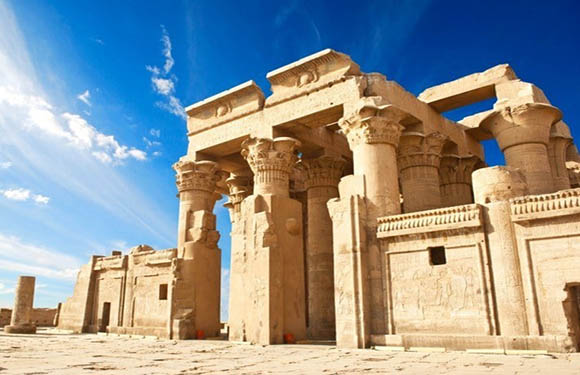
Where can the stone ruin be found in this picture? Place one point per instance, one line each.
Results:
(361, 214)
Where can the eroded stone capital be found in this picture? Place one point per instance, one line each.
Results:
(271, 160)
(521, 124)
(323, 171)
(371, 122)
(417, 149)
(239, 186)
(196, 175)
(457, 170)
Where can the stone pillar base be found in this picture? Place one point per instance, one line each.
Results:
(29, 328)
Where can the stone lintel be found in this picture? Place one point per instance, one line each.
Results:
(467, 90)
(440, 219)
(310, 74)
(226, 106)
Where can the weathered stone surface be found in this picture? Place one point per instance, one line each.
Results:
(478, 258)
(21, 319)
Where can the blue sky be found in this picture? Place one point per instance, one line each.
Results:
(91, 97)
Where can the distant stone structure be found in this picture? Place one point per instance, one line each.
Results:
(41, 317)
(21, 318)
(361, 214)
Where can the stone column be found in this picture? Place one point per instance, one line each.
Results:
(493, 187)
(196, 183)
(195, 293)
(373, 131)
(419, 159)
(240, 187)
(273, 269)
(373, 134)
(21, 320)
(560, 140)
(455, 176)
(322, 177)
(522, 133)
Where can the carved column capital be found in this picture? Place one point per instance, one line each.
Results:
(323, 171)
(455, 169)
(372, 123)
(271, 160)
(521, 124)
(196, 175)
(417, 149)
(240, 186)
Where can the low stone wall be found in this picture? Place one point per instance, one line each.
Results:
(42, 317)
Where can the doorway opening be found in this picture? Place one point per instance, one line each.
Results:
(572, 311)
(105, 317)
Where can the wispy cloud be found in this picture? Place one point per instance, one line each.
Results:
(39, 115)
(57, 148)
(5, 164)
(22, 195)
(19, 256)
(85, 97)
(5, 290)
(16, 194)
(163, 82)
(155, 133)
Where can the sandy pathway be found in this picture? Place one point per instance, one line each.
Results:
(89, 354)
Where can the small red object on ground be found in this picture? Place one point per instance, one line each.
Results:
(199, 334)
(289, 338)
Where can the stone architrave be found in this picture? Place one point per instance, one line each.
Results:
(418, 161)
(21, 320)
(322, 177)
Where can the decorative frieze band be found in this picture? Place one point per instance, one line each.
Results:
(440, 219)
(529, 207)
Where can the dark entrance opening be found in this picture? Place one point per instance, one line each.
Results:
(105, 317)
(572, 310)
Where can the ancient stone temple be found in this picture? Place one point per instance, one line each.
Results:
(361, 214)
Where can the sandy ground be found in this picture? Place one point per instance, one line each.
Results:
(47, 353)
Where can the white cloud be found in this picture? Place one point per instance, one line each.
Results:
(48, 151)
(22, 195)
(155, 132)
(18, 256)
(167, 50)
(162, 82)
(41, 199)
(5, 164)
(85, 97)
(17, 194)
(163, 86)
(150, 143)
